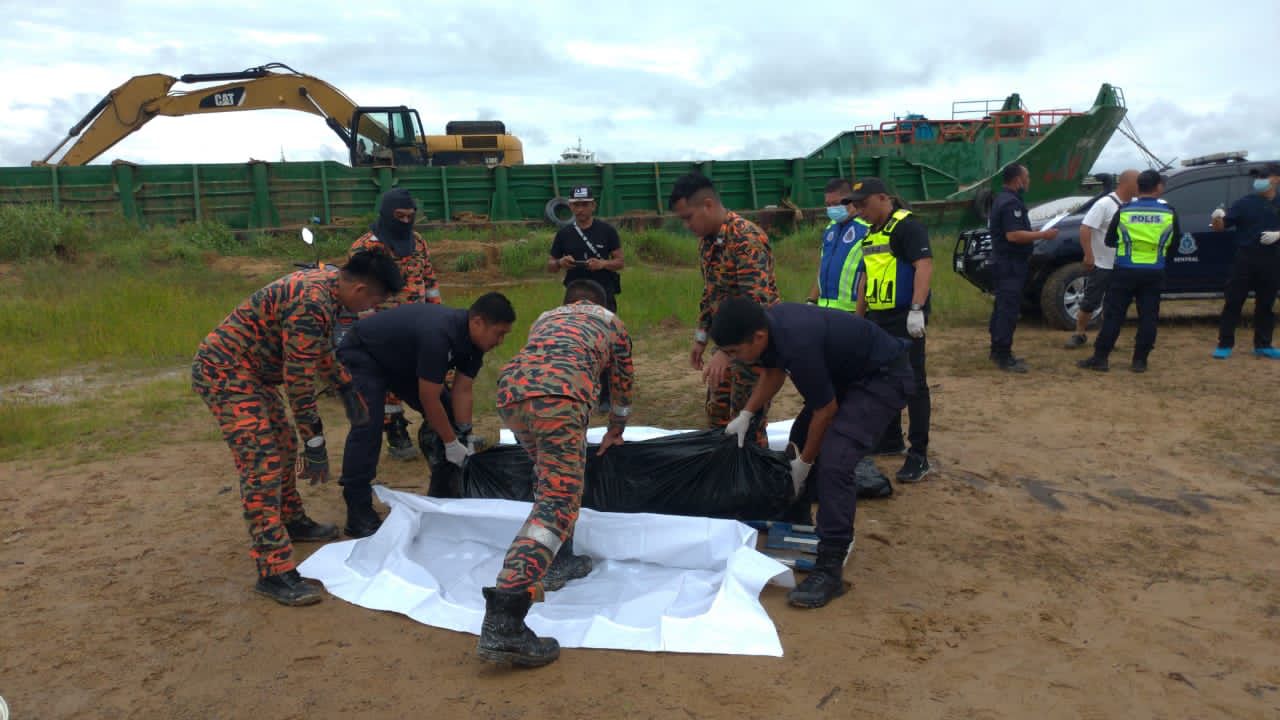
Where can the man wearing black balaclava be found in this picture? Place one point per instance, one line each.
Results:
(393, 232)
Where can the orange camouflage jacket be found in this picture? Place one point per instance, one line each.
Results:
(737, 261)
(569, 348)
(420, 284)
(283, 335)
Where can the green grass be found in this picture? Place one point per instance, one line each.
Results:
(120, 297)
(109, 423)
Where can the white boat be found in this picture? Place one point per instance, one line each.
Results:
(577, 155)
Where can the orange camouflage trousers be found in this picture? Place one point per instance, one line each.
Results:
(553, 430)
(252, 417)
(727, 399)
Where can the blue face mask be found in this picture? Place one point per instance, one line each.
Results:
(1259, 185)
(838, 213)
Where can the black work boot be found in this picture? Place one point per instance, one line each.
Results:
(362, 520)
(1139, 364)
(304, 529)
(1095, 363)
(504, 638)
(289, 588)
(825, 582)
(399, 446)
(1009, 363)
(565, 567)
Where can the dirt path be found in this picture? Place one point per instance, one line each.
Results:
(1089, 547)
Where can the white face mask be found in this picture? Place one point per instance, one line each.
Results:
(1261, 184)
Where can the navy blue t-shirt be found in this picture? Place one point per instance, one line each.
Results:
(826, 350)
(1251, 216)
(1009, 214)
(417, 341)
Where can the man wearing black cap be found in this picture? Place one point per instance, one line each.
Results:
(1256, 219)
(893, 292)
(1012, 240)
(588, 248)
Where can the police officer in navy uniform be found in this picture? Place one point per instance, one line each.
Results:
(1256, 219)
(854, 378)
(1012, 240)
(1145, 235)
(893, 292)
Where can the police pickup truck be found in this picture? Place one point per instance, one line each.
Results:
(1200, 267)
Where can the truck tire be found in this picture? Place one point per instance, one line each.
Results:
(552, 212)
(1061, 295)
(982, 200)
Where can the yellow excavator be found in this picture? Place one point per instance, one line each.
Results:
(374, 136)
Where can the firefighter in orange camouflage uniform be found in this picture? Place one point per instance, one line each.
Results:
(393, 232)
(282, 338)
(736, 262)
(545, 396)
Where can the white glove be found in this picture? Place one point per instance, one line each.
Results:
(799, 472)
(915, 323)
(1218, 213)
(1269, 238)
(455, 452)
(738, 426)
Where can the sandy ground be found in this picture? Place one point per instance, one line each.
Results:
(1088, 547)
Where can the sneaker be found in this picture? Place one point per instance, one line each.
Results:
(1075, 342)
(1009, 363)
(1222, 353)
(399, 446)
(1267, 352)
(914, 469)
(1139, 365)
(304, 529)
(289, 588)
(1095, 363)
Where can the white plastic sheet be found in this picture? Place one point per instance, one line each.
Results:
(660, 583)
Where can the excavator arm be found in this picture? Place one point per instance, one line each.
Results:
(127, 108)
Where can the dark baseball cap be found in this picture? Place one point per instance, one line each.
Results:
(582, 193)
(866, 187)
(1269, 170)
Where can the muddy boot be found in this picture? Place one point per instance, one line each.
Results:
(565, 567)
(288, 588)
(399, 446)
(304, 529)
(825, 582)
(504, 638)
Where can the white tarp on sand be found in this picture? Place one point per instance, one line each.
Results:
(661, 582)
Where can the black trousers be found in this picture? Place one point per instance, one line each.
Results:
(1008, 278)
(364, 444)
(1130, 286)
(862, 412)
(1256, 269)
(919, 405)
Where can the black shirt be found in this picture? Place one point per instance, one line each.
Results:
(417, 341)
(1008, 214)
(603, 239)
(826, 350)
(1251, 216)
(908, 242)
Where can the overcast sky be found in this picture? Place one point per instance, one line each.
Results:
(651, 80)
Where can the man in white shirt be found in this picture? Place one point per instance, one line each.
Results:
(1098, 258)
